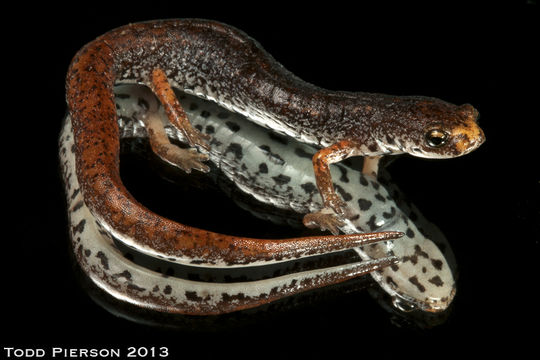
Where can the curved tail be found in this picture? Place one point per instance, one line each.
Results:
(90, 98)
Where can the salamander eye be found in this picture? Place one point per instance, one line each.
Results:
(436, 138)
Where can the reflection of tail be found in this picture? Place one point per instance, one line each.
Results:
(150, 289)
(132, 283)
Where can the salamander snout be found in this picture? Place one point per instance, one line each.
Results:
(468, 135)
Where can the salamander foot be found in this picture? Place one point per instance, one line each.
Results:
(185, 159)
(325, 219)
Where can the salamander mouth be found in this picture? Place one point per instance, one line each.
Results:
(419, 152)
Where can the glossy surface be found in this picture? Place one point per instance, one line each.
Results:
(458, 55)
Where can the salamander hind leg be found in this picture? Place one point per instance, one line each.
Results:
(186, 159)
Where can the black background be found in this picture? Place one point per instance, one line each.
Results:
(486, 203)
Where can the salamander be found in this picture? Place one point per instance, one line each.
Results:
(222, 64)
(275, 171)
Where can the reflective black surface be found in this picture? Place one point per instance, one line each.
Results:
(485, 203)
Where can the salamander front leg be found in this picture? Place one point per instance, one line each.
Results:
(371, 165)
(186, 159)
(330, 217)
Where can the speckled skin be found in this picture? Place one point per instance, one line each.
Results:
(220, 63)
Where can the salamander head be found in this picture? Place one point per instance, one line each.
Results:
(432, 128)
